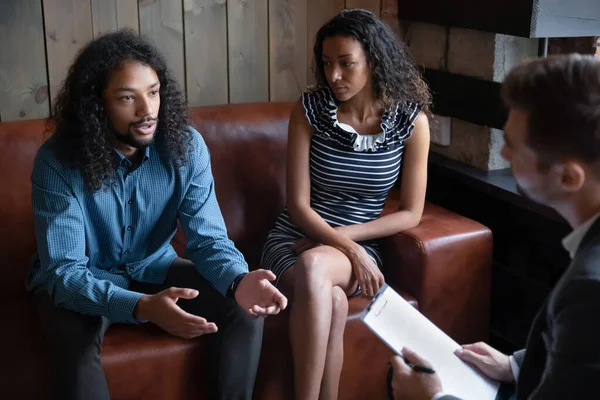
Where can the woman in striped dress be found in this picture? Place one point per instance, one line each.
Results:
(350, 140)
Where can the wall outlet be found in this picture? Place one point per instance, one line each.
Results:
(441, 130)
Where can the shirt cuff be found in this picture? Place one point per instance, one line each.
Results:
(514, 367)
(228, 277)
(121, 306)
(439, 395)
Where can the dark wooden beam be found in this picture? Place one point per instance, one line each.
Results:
(512, 17)
(526, 18)
(467, 98)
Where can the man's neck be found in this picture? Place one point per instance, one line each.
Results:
(580, 209)
(127, 151)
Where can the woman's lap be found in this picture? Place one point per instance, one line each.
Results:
(278, 257)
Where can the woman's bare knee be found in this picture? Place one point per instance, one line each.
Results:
(339, 302)
(309, 272)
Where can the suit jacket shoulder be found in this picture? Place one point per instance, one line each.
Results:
(562, 359)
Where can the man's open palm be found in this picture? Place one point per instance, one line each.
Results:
(257, 296)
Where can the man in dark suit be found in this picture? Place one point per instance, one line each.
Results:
(552, 140)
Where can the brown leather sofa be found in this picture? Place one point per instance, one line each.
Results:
(443, 266)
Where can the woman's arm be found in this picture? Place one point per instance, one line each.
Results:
(412, 192)
(298, 187)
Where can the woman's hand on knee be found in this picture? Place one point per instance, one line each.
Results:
(367, 274)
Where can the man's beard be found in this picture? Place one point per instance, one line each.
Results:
(129, 139)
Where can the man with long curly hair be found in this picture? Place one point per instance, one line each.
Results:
(121, 167)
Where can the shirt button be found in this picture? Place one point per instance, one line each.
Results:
(126, 251)
(130, 201)
(129, 228)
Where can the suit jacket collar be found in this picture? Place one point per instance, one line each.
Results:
(589, 236)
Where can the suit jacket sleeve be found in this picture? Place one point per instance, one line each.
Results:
(573, 356)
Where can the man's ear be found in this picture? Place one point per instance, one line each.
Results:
(571, 175)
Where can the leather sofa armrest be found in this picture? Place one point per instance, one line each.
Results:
(445, 263)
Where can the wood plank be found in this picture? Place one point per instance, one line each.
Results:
(288, 58)
(127, 14)
(111, 15)
(389, 15)
(248, 50)
(206, 52)
(319, 12)
(23, 80)
(371, 5)
(68, 29)
(162, 22)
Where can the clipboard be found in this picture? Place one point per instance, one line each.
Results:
(398, 325)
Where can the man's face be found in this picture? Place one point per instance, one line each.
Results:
(131, 101)
(539, 185)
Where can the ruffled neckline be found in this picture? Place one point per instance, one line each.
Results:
(360, 142)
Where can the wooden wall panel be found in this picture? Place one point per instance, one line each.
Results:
(371, 5)
(68, 29)
(110, 15)
(287, 53)
(220, 51)
(127, 14)
(248, 50)
(319, 12)
(389, 15)
(162, 21)
(23, 79)
(206, 52)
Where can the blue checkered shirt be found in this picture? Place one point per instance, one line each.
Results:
(91, 245)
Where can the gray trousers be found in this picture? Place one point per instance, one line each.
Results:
(75, 340)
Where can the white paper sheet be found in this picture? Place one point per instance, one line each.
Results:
(400, 325)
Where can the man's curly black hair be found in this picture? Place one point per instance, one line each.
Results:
(81, 127)
(396, 79)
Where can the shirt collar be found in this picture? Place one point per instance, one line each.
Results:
(120, 158)
(572, 241)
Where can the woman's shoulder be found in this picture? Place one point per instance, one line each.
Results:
(320, 109)
(401, 115)
(318, 96)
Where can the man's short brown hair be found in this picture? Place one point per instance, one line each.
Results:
(561, 96)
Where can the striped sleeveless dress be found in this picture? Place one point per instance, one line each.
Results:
(350, 174)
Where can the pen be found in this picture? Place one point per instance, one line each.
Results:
(418, 368)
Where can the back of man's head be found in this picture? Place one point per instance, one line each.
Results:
(561, 97)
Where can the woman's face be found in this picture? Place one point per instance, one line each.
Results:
(345, 66)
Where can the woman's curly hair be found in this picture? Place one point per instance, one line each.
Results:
(396, 78)
(80, 125)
